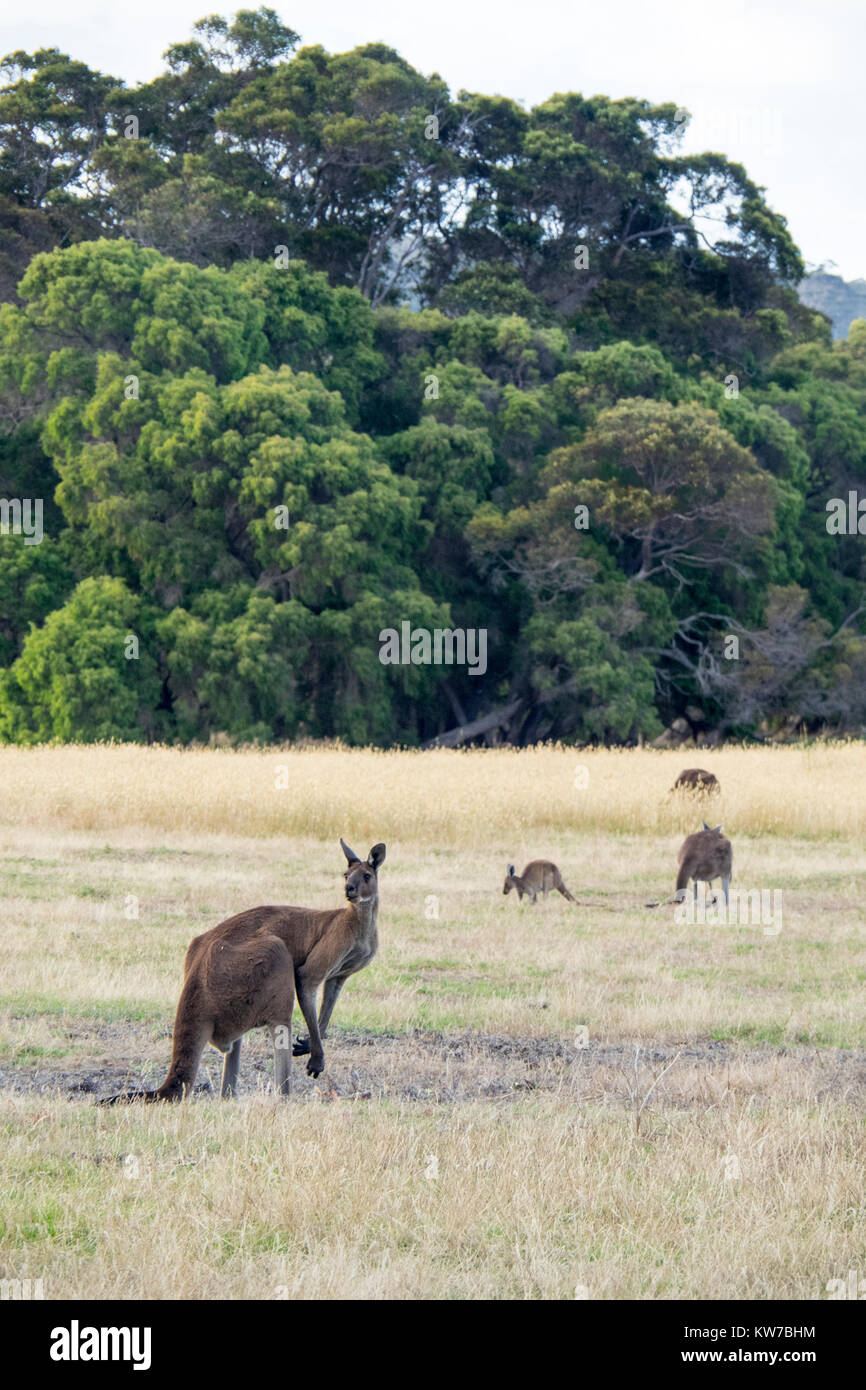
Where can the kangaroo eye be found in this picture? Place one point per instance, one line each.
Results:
(366, 878)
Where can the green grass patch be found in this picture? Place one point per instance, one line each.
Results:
(104, 1010)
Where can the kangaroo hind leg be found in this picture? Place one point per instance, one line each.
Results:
(281, 1033)
(229, 1087)
(278, 1014)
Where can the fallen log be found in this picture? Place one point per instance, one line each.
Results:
(454, 737)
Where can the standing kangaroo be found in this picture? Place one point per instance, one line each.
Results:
(538, 877)
(704, 856)
(245, 972)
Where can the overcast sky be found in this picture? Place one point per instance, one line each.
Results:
(778, 86)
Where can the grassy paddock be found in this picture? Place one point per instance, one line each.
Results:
(741, 1180)
(447, 798)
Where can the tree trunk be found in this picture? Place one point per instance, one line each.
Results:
(454, 737)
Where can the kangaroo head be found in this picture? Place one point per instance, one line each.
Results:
(508, 877)
(362, 884)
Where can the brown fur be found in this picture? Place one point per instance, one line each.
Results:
(696, 779)
(704, 856)
(245, 972)
(540, 876)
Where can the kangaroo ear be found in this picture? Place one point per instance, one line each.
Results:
(718, 827)
(511, 869)
(706, 827)
(376, 856)
(349, 853)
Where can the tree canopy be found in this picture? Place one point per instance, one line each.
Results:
(297, 348)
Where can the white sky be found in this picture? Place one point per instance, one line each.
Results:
(776, 84)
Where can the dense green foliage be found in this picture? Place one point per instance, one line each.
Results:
(298, 347)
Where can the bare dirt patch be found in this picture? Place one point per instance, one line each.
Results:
(455, 1068)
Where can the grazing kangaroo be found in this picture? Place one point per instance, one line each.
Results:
(244, 973)
(538, 877)
(704, 856)
(696, 779)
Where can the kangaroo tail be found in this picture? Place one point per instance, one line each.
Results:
(128, 1097)
(172, 1089)
(190, 1037)
(565, 893)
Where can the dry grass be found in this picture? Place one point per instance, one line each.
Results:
(543, 1180)
(358, 1200)
(445, 798)
(484, 961)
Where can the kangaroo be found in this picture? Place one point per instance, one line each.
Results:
(245, 972)
(696, 779)
(704, 856)
(538, 877)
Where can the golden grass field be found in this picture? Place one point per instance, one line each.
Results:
(482, 1129)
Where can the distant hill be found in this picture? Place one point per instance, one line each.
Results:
(841, 300)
